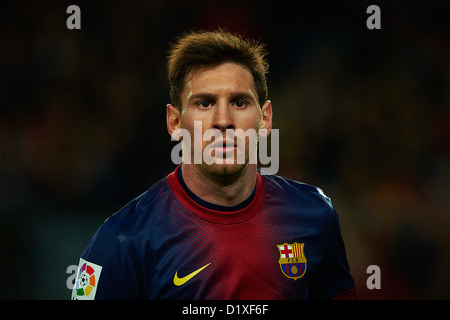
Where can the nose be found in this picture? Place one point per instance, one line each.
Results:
(223, 117)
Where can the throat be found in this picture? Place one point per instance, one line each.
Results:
(216, 195)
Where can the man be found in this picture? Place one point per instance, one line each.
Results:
(218, 229)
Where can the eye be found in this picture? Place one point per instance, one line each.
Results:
(240, 104)
(204, 104)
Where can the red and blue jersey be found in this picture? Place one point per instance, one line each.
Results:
(284, 242)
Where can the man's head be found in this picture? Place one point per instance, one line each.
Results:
(218, 79)
(199, 49)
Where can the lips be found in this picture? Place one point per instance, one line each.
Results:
(222, 144)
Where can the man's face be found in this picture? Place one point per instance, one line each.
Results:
(223, 97)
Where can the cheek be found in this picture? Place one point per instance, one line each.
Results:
(187, 121)
(196, 129)
(252, 120)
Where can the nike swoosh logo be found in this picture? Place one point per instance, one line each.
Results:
(180, 281)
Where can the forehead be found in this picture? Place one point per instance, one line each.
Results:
(220, 79)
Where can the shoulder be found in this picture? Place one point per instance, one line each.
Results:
(308, 194)
(132, 217)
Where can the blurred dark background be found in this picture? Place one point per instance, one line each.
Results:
(364, 114)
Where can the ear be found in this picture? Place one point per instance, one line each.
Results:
(266, 122)
(172, 119)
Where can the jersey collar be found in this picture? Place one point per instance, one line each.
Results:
(216, 216)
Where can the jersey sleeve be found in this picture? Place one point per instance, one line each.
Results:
(333, 279)
(106, 271)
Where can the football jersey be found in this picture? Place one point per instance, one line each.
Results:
(283, 242)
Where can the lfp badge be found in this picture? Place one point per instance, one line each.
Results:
(86, 282)
(292, 260)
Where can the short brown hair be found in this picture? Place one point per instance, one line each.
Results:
(197, 49)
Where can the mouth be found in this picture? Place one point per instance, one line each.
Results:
(223, 146)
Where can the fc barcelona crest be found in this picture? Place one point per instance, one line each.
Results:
(292, 260)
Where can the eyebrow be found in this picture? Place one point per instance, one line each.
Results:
(210, 96)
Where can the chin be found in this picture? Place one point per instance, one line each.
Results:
(223, 170)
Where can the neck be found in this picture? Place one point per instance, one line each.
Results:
(224, 190)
